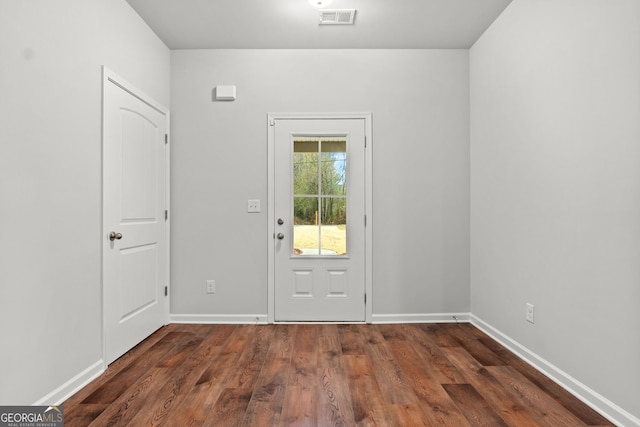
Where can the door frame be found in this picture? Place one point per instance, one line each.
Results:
(110, 77)
(272, 118)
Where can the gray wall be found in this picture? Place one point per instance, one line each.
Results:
(555, 186)
(51, 54)
(420, 105)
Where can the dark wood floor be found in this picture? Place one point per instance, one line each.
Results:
(324, 375)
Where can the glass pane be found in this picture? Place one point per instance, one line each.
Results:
(306, 231)
(319, 196)
(333, 236)
(333, 166)
(305, 167)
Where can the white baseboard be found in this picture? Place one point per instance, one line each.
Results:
(599, 403)
(421, 318)
(68, 389)
(260, 319)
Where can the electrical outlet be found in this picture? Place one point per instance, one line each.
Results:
(530, 313)
(211, 286)
(253, 206)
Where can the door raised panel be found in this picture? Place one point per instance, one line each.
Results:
(137, 286)
(302, 283)
(337, 283)
(139, 167)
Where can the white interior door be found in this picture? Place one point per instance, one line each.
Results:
(135, 255)
(319, 214)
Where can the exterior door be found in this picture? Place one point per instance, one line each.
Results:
(135, 251)
(319, 214)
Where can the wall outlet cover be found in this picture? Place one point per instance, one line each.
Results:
(211, 286)
(530, 313)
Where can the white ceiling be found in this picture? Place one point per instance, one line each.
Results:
(293, 24)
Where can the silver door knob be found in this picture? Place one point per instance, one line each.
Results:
(280, 236)
(115, 236)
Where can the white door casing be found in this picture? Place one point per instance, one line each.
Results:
(135, 226)
(325, 286)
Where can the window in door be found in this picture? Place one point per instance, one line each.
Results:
(320, 196)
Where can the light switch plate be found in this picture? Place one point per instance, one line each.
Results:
(253, 206)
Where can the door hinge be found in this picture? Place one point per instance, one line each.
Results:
(166, 138)
(166, 291)
(166, 215)
(365, 220)
(365, 298)
(365, 141)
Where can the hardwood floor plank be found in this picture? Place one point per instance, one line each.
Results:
(554, 413)
(283, 345)
(474, 347)
(183, 378)
(368, 402)
(111, 390)
(513, 410)
(323, 375)
(351, 341)
(76, 417)
(274, 371)
(306, 338)
(390, 378)
(118, 365)
(80, 409)
(299, 407)
(563, 397)
(266, 402)
(392, 332)
(436, 405)
(439, 335)
(142, 393)
(265, 406)
(329, 350)
(252, 358)
(473, 406)
(334, 405)
(230, 408)
(408, 415)
(302, 370)
(124, 409)
(434, 358)
(197, 404)
(229, 353)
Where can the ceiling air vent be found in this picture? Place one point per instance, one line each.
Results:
(337, 16)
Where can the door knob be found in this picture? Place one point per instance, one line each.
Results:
(115, 236)
(280, 221)
(280, 236)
